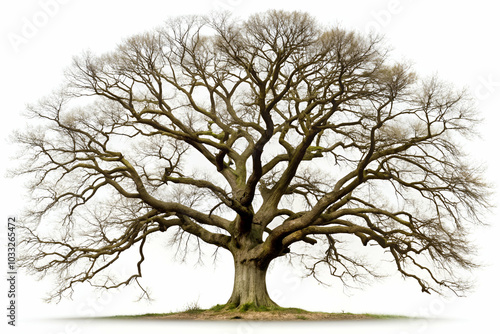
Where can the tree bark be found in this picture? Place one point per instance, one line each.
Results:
(250, 285)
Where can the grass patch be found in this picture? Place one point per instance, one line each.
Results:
(133, 316)
(218, 308)
(385, 316)
(193, 308)
(252, 312)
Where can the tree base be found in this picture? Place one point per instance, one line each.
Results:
(250, 287)
(249, 307)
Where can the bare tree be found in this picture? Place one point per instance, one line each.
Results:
(269, 137)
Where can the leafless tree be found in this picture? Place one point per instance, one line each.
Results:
(265, 137)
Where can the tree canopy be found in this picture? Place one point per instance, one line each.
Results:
(256, 136)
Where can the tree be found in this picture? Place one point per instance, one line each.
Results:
(269, 137)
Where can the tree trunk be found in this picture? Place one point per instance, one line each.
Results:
(250, 285)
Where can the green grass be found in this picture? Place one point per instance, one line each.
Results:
(191, 308)
(385, 316)
(218, 308)
(194, 308)
(136, 316)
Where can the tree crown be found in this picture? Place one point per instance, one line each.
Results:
(256, 137)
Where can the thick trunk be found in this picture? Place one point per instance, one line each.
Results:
(250, 285)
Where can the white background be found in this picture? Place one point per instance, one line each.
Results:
(458, 40)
